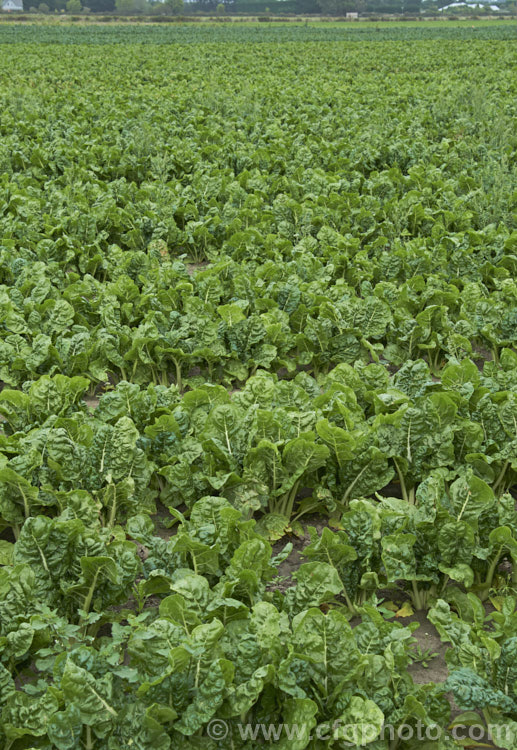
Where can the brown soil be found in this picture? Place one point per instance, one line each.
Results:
(193, 268)
(295, 557)
(91, 402)
(162, 517)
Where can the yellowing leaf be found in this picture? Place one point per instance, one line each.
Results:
(405, 611)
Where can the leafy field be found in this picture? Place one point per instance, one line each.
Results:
(259, 352)
(50, 32)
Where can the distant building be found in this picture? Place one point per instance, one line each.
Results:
(471, 6)
(10, 5)
(352, 16)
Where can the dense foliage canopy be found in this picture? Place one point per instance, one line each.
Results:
(289, 273)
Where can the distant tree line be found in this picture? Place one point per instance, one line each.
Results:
(221, 7)
(328, 7)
